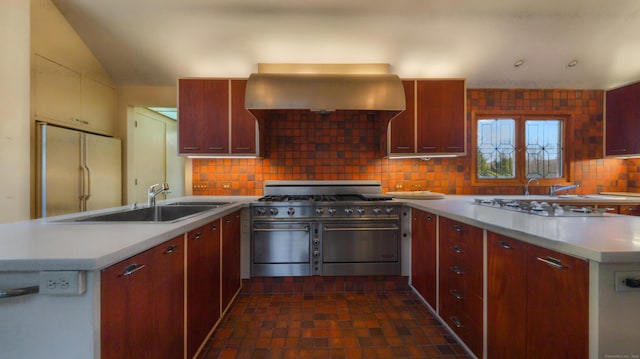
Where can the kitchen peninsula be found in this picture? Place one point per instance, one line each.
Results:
(608, 245)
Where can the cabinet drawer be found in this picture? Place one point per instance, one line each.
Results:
(630, 209)
(465, 319)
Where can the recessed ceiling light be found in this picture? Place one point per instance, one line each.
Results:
(518, 63)
(572, 63)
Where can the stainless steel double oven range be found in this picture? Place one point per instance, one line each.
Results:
(302, 228)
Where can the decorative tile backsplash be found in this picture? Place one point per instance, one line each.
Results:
(347, 146)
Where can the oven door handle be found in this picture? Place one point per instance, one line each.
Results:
(336, 229)
(305, 229)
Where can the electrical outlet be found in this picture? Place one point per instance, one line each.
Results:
(226, 185)
(200, 185)
(399, 186)
(63, 282)
(627, 281)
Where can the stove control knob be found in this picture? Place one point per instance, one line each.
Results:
(319, 211)
(360, 211)
(316, 254)
(389, 210)
(262, 211)
(316, 242)
(291, 211)
(348, 211)
(376, 210)
(273, 211)
(332, 211)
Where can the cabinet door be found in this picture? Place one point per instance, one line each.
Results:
(423, 255)
(216, 116)
(142, 305)
(506, 297)
(57, 93)
(190, 115)
(440, 117)
(203, 284)
(231, 281)
(402, 127)
(98, 106)
(125, 311)
(243, 123)
(557, 305)
(621, 121)
(168, 299)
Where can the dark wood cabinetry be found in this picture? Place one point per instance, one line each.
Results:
(203, 284)
(622, 121)
(461, 278)
(423, 255)
(537, 301)
(629, 209)
(231, 281)
(434, 121)
(142, 303)
(212, 118)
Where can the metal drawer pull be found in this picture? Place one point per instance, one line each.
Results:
(504, 245)
(456, 294)
(429, 218)
(306, 229)
(457, 249)
(456, 270)
(456, 322)
(216, 148)
(556, 263)
(16, 292)
(129, 270)
(242, 148)
(329, 229)
(402, 147)
(458, 228)
(170, 249)
(190, 147)
(197, 235)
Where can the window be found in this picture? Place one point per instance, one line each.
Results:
(510, 149)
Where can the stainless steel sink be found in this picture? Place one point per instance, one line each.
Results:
(211, 204)
(157, 214)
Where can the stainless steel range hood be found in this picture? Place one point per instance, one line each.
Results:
(325, 92)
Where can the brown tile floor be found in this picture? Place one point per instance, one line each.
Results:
(359, 324)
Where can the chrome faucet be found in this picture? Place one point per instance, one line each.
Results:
(526, 187)
(155, 190)
(555, 189)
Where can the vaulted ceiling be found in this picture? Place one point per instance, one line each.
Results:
(153, 42)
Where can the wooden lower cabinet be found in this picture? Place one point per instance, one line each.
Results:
(537, 301)
(423, 255)
(461, 278)
(142, 305)
(231, 281)
(630, 209)
(203, 284)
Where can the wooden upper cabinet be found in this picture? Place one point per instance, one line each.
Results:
(212, 118)
(403, 127)
(434, 120)
(440, 116)
(243, 123)
(622, 121)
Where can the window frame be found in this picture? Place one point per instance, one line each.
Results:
(520, 117)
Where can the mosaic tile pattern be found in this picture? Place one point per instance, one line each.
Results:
(309, 146)
(327, 321)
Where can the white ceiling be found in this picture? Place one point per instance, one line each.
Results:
(153, 42)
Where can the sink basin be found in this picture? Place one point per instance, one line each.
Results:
(158, 214)
(210, 204)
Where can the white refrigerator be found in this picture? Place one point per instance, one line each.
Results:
(76, 171)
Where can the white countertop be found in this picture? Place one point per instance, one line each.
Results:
(35, 245)
(38, 245)
(611, 238)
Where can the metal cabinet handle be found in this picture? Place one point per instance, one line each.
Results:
(402, 147)
(197, 235)
(555, 263)
(306, 229)
(16, 292)
(504, 245)
(216, 148)
(457, 249)
(458, 228)
(429, 218)
(456, 322)
(129, 270)
(170, 249)
(242, 148)
(456, 270)
(456, 294)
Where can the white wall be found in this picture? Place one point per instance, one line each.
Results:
(14, 111)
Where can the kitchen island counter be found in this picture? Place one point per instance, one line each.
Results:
(604, 239)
